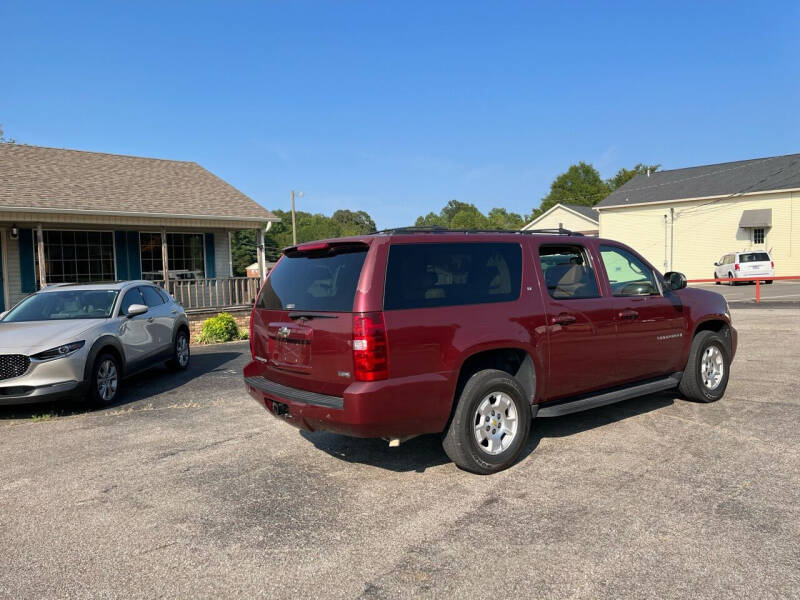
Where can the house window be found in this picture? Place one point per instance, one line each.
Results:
(77, 256)
(185, 254)
(758, 235)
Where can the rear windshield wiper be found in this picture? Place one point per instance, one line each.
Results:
(311, 315)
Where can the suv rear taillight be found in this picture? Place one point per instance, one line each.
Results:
(772, 264)
(736, 267)
(370, 352)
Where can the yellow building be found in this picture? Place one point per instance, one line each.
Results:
(686, 219)
(574, 217)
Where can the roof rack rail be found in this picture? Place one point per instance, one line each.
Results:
(439, 229)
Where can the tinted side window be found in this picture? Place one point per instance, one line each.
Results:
(163, 293)
(429, 275)
(627, 274)
(131, 297)
(568, 272)
(151, 296)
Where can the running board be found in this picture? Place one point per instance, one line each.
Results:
(566, 407)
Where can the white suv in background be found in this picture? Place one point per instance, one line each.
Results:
(756, 263)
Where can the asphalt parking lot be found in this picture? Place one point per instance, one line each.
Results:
(188, 488)
(777, 292)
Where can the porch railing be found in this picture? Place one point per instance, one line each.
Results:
(221, 292)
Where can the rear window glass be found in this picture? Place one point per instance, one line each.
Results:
(754, 257)
(312, 282)
(429, 275)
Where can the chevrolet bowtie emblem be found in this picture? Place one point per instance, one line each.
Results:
(283, 333)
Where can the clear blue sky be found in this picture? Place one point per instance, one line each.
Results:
(397, 107)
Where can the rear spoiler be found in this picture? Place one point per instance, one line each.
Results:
(320, 249)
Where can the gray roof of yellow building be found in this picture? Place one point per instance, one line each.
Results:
(724, 179)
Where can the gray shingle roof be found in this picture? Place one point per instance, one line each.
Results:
(744, 176)
(586, 211)
(53, 178)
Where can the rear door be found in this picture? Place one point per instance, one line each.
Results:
(650, 323)
(134, 334)
(580, 321)
(303, 318)
(754, 264)
(159, 318)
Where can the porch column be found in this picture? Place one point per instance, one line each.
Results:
(40, 252)
(260, 246)
(164, 257)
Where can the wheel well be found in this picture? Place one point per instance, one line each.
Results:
(514, 361)
(110, 349)
(183, 327)
(715, 325)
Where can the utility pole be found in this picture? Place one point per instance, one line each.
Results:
(671, 237)
(294, 225)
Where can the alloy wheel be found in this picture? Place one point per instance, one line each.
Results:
(107, 380)
(712, 367)
(495, 423)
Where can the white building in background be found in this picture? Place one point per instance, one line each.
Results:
(575, 217)
(686, 219)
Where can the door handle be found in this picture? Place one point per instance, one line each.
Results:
(629, 314)
(564, 319)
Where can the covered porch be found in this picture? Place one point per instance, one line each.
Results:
(69, 216)
(196, 258)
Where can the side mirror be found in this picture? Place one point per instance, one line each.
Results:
(3, 314)
(674, 280)
(135, 310)
(716, 264)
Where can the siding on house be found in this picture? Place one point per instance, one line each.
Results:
(705, 230)
(567, 219)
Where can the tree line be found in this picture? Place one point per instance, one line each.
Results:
(581, 184)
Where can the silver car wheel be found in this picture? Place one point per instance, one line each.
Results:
(712, 367)
(182, 350)
(107, 380)
(495, 423)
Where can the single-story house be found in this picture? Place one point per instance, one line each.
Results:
(76, 216)
(686, 219)
(575, 217)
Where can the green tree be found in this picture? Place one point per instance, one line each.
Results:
(353, 223)
(430, 220)
(624, 175)
(243, 251)
(500, 218)
(580, 184)
(469, 217)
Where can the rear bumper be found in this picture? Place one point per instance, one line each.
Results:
(26, 394)
(391, 408)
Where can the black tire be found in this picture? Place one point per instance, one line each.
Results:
(692, 384)
(460, 441)
(716, 282)
(768, 282)
(179, 362)
(730, 276)
(100, 395)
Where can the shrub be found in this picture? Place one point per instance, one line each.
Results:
(221, 328)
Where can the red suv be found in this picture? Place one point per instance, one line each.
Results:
(473, 334)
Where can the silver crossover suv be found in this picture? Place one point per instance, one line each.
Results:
(81, 339)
